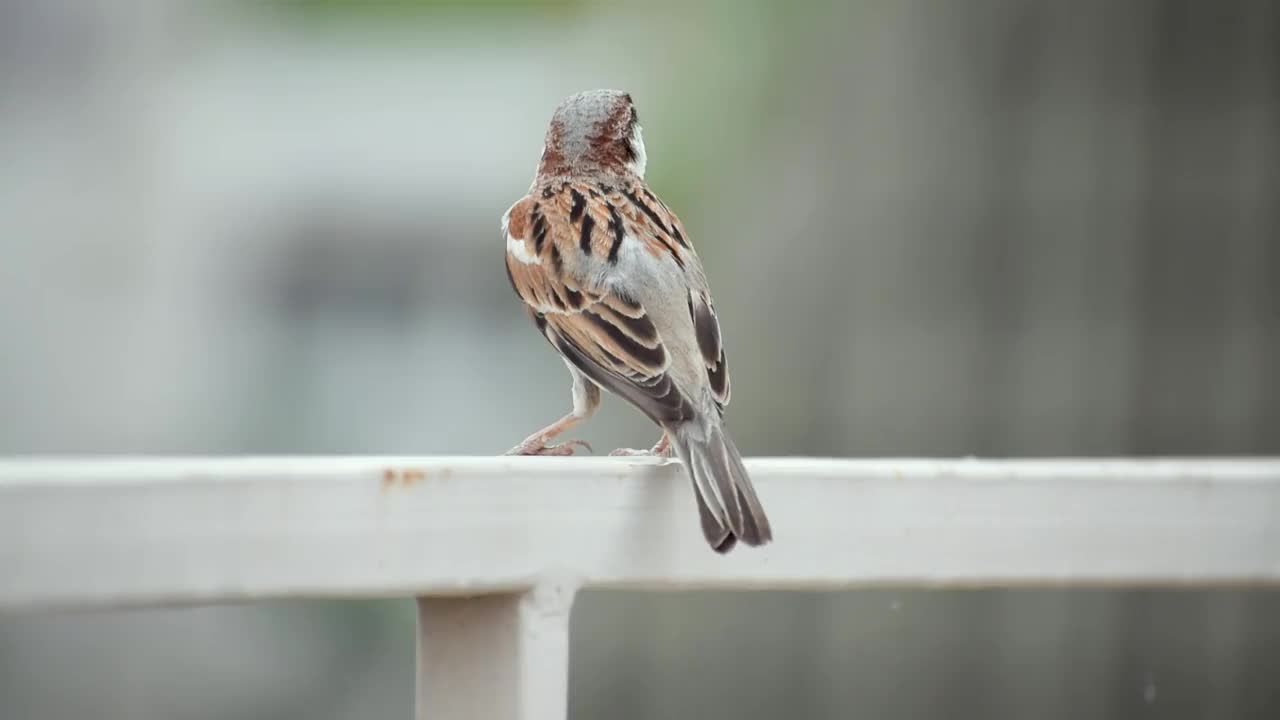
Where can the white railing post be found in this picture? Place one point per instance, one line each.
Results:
(495, 656)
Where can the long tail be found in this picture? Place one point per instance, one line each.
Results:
(727, 502)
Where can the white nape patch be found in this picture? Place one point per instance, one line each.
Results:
(637, 166)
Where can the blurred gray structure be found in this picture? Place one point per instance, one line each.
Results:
(933, 228)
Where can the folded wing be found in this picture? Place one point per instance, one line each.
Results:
(608, 336)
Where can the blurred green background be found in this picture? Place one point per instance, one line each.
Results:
(933, 228)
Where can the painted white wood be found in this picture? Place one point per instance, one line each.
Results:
(495, 656)
(99, 533)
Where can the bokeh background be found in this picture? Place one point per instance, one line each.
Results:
(991, 227)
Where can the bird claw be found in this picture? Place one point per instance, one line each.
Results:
(538, 446)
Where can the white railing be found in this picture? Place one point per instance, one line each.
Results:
(495, 548)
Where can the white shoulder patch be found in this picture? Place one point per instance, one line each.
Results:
(517, 247)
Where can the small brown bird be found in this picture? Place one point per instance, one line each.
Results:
(609, 277)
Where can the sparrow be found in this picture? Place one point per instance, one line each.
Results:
(609, 277)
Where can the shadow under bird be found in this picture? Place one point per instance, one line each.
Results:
(610, 279)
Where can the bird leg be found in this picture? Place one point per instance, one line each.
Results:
(586, 398)
(536, 444)
(661, 449)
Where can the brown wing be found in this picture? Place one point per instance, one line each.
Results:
(659, 223)
(608, 337)
(707, 328)
(664, 234)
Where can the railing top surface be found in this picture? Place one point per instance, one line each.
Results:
(124, 531)
(134, 469)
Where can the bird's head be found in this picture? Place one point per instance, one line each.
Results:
(594, 133)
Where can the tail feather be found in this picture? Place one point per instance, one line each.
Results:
(757, 530)
(718, 535)
(710, 510)
(715, 461)
(727, 503)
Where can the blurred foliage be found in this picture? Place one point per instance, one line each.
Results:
(359, 9)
